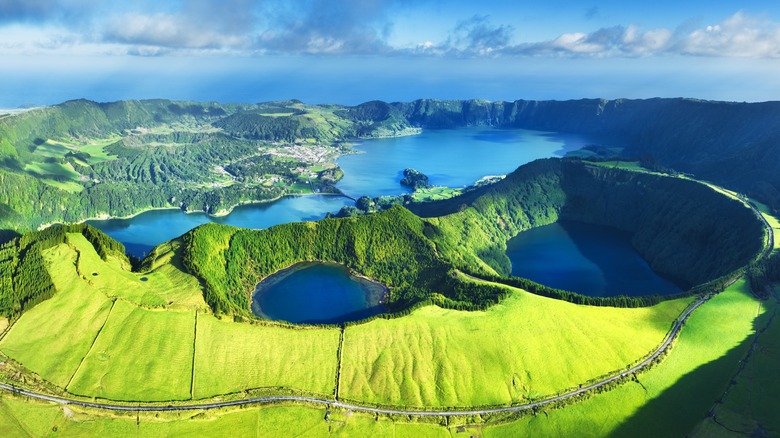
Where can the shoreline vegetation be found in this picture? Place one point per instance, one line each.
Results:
(221, 213)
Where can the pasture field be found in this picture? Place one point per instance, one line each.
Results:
(165, 286)
(749, 408)
(674, 395)
(58, 170)
(665, 404)
(53, 337)
(435, 193)
(773, 222)
(94, 147)
(524, 348)
(140, 355)
(231, 357)
(68, 186)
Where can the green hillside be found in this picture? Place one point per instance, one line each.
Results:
(683, 228)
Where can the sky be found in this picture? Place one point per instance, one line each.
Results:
(352, 51)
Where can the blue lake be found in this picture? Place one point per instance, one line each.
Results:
(454, 157)
(588, 259)
(317, 293)
(143, 232)
(450, 157)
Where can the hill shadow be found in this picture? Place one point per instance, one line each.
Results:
(685, 404)
(6, 235)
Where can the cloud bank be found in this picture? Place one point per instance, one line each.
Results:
(352, 27)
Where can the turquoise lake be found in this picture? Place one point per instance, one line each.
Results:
(588, 259)
(317, 293)
(454, 157)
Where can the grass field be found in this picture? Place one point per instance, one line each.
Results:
(750, 406)
(53, 169)
(140, 355)
(523, 348)
(521, 332)
(773, 222)
(673, 396)
(435, 193)
(231, 357)
(68, 186)
(93, 147)
(166, 286)
(53, 337)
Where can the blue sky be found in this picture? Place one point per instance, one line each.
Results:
(355, 50)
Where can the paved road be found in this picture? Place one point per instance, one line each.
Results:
(449, 413)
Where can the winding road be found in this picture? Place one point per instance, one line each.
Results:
(148, 407)
(353, 407)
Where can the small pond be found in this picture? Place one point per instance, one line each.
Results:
(588, 259)
(317, 293)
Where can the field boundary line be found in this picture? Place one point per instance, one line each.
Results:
(94, 341)
(194, 346)
(339, 357)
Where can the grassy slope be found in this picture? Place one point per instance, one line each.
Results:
(231, 357)
(438, 357)
(53, 337)
(163, 287)
(676, 394)
(140, 354)
(679, 391)
(749, 407)
(147, 354)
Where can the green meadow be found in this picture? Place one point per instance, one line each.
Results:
(232, 357)
(147, 349)
(140, 355)
(675, 395)
(521, 349)
(55, 335)
(669, 400)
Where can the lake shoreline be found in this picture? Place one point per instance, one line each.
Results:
(374, 293)
(221, 213)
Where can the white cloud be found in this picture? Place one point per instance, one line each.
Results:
(740, 35)
(169, 31)
(252, 27)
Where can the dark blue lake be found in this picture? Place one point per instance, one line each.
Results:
(317, 293)
(588, 259)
